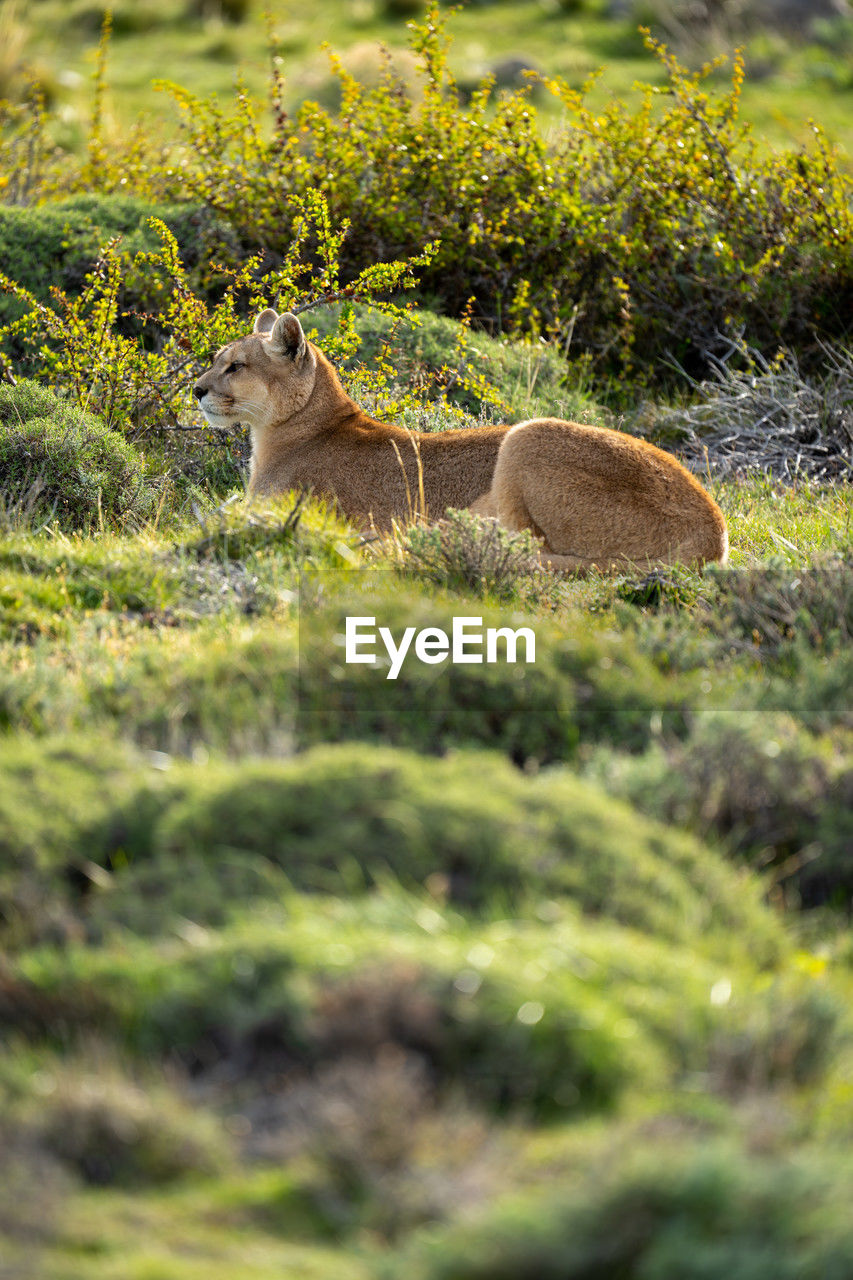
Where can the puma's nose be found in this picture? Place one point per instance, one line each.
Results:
(198, 392)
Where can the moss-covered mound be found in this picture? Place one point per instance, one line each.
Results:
(61, 464)
(342, 819)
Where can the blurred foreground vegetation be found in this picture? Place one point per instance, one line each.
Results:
(492, 972)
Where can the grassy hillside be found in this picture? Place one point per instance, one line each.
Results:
(480, 972)
(792, 79)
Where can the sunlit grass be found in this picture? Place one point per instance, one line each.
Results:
(791, 523)
(211, 1230)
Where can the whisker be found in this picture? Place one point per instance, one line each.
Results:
(248, 407)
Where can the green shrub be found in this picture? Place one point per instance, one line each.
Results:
(78, 472)
(772, 793)
(25, 401)
(147, 893)
(548, 1017)
(50, 250)
(772, 608)
(814, 688)
(138, 375)
(470, 822)
(248, 1005)
(654, 1211)
(647, 233)
(53, 798)
(483, 375)
(203, 690)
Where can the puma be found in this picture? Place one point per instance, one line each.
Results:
(596, 498)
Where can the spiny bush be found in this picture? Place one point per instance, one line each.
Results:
(135, 379)
(56, 245)
(74, 470)
(466, 552)
(639, 235)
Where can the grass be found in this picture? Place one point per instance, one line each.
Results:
(791, 523)
(211, 1228)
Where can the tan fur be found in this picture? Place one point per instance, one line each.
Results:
(595, 497)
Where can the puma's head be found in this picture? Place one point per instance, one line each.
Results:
(265, 377)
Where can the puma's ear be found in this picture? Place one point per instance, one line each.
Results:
(265, 321)
(287, 338)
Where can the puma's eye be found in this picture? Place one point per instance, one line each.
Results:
(232, 368)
